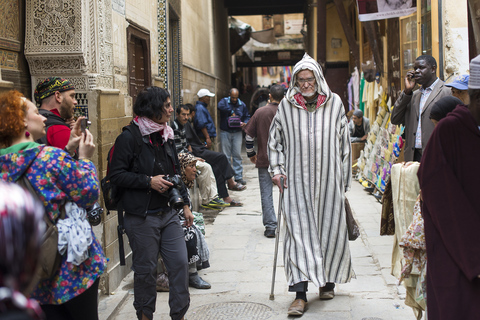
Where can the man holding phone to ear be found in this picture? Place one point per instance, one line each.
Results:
(56, 97)
(412, 108)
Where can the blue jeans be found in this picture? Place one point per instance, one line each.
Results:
(232, 148)
(266, 188)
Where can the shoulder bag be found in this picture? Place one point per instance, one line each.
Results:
(50, 259)
(352, 226)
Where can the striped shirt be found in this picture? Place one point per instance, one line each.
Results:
(425, 94)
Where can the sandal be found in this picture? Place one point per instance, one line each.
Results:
(238, 187)
(236, 204)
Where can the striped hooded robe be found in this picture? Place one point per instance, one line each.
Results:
(313, 150)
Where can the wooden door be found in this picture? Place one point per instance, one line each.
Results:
(138, 57)
(337, 77)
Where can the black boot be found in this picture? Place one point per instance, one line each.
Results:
(197, 282)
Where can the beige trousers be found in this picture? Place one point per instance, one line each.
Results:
(207, 184)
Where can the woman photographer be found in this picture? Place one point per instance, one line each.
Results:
(72, 292)
(151, 224)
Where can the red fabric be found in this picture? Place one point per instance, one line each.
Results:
(303, 103)
(449, 175)
(58, 135)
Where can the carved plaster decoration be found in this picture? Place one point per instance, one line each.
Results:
(102, 56)
(70, 37)
(176, 86)
(57, 65)
(92, 44)
(8, 60)
(162, 41)
(53, 26)
(9, 24)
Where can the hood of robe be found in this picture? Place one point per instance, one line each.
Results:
(308, 63)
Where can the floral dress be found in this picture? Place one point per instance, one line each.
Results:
(415, 254)
(57, 177)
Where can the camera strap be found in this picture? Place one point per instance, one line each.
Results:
(167, 155)
(120, 232)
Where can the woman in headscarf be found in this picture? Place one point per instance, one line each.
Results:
(72, 292)
(443, 107)
(196, 245)
(21, 229)
(151, 223)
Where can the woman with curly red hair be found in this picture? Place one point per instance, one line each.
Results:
(58, 179)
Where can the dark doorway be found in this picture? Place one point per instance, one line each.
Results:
(138, 50)
(337, 76)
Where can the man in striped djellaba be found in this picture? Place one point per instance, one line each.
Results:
(309, 146)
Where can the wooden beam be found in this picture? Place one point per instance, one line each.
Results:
(373, 35)
(347, 29)
(322, 32)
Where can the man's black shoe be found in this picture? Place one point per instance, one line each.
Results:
(241, 181)
(269, 233)
(195, 281)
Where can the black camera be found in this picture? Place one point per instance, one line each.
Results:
(175, 198)
(94, 214)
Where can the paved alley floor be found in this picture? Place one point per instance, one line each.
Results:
(241, 261)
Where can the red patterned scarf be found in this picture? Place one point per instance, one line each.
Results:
(303, 103)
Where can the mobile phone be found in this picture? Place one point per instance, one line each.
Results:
(83, 124)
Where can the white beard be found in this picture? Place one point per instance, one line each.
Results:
(308, 95)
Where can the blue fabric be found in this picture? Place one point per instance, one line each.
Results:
(266, 188)
(226, 109)
(203, 119)
(232, 147)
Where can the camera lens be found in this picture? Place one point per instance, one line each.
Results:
(175, 198)
(95, 214)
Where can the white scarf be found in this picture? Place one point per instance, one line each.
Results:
(74, 234)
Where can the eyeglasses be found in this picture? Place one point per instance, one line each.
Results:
(309, 80)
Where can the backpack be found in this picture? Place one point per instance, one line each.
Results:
(112, 194)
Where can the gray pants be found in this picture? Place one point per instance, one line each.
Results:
(266, 189)
(149, 236)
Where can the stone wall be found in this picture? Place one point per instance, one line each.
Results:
(206, 56)
(455, 38)
(110, 118)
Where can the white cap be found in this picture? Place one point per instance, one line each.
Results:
(474, 80)
(205, 92)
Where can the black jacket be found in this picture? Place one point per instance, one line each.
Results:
(136, 193)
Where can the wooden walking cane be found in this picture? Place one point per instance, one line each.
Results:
(277, 237)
